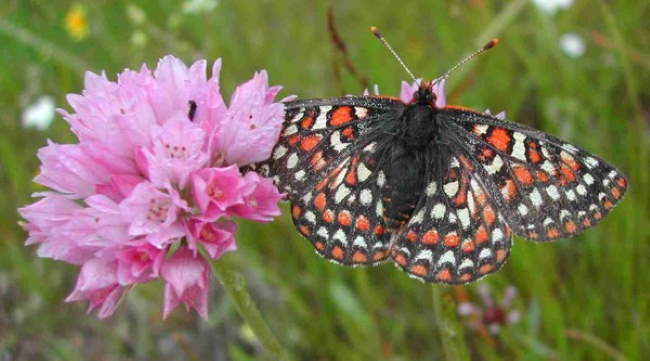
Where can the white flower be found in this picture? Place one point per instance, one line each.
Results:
(199, 6)
(40, 114)
(551, 6)
(572, 45)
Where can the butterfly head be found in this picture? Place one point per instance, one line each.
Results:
(425, 95)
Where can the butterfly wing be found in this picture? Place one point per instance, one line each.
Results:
(457, 232)
(546, 188)
(328, 161)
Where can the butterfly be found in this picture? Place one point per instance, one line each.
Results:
(438, 189)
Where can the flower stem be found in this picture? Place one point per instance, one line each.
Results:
(449, 329)
(235, 285)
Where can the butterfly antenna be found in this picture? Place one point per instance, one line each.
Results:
(378, 35)
(490, 44)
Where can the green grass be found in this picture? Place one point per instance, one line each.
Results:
(581, 299)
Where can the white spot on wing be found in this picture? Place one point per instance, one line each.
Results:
(336, 143)
(451, 188)
(535, 198)
(321, 120)
(552, 192)
(381, 179)
(322, 231)
(591, 162)
(588, 179)
(279, 152)
(310, 217)
(495, 166)
(431, 189)
(497, 235)
(581, 190)
(300, 175)
(438, 211)
(292, 161)
(340, 235)
(341, 192)
(365, 197)
(523, 210)
(359, 242)
(485, 253)
(290, 130)
(360, 112)
(418, 217)
(425, 255)
(447, 257)
(363, 172)
(463, 215)
(518, 149)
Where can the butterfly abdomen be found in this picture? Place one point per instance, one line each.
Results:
(406, 175)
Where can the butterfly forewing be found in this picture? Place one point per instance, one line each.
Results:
(328, 161)
(547, 188)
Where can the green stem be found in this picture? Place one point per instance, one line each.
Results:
(235, 285)
(449, 328)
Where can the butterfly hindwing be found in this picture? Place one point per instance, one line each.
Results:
(546, 188)
(457, 232)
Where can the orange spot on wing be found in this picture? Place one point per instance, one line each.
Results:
(351, 177)
(317, 161)
(338, 253)
(296, 211)
(465, 162)
(304, 230)
(379, 230)
(292, 140)
(485, 269)
(501, 255)
(340, 116)
(359, 257)
(570, 227)
(621, 182)
(444, 275)
(480, 198)
(586, 222)
(499, 138)
(468, 246)
(411, 236)
(509, 190)
(598, 215)
(567, 175)
(542, 176)
(451, 240)
(319, 201)
(465, 277)
(344, 218)
(616, 193)
(309, 142)
(399, 258)
(481, 235)
(533, 155)
(348, 133)
(553, 233)
(419, 270)
(523, 175)
(607, 204)
(430, 237)
(488, 215)
(485, 154)
(328, 216)
(362, 223)
(307, 122)
(319, 245)
(378, 255)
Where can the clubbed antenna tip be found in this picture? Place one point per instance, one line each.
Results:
(491, 44)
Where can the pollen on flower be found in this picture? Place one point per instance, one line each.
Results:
(158, 209)
(144, 186)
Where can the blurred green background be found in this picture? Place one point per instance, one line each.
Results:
(579, 71)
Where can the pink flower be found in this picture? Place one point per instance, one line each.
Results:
(186, 278)
(490, 316)
(253, 123)
(216, 189)
(155, 170)
(216, 238)
(97, 283)
(260, 201)
(437, 86)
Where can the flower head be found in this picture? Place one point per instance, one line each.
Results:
(490, 316)
(156, 168)
(75, 22)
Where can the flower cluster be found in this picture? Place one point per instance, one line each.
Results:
(154, 179)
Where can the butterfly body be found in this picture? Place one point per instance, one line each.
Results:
(438, 189)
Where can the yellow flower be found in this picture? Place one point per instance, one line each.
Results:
(75, 22)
